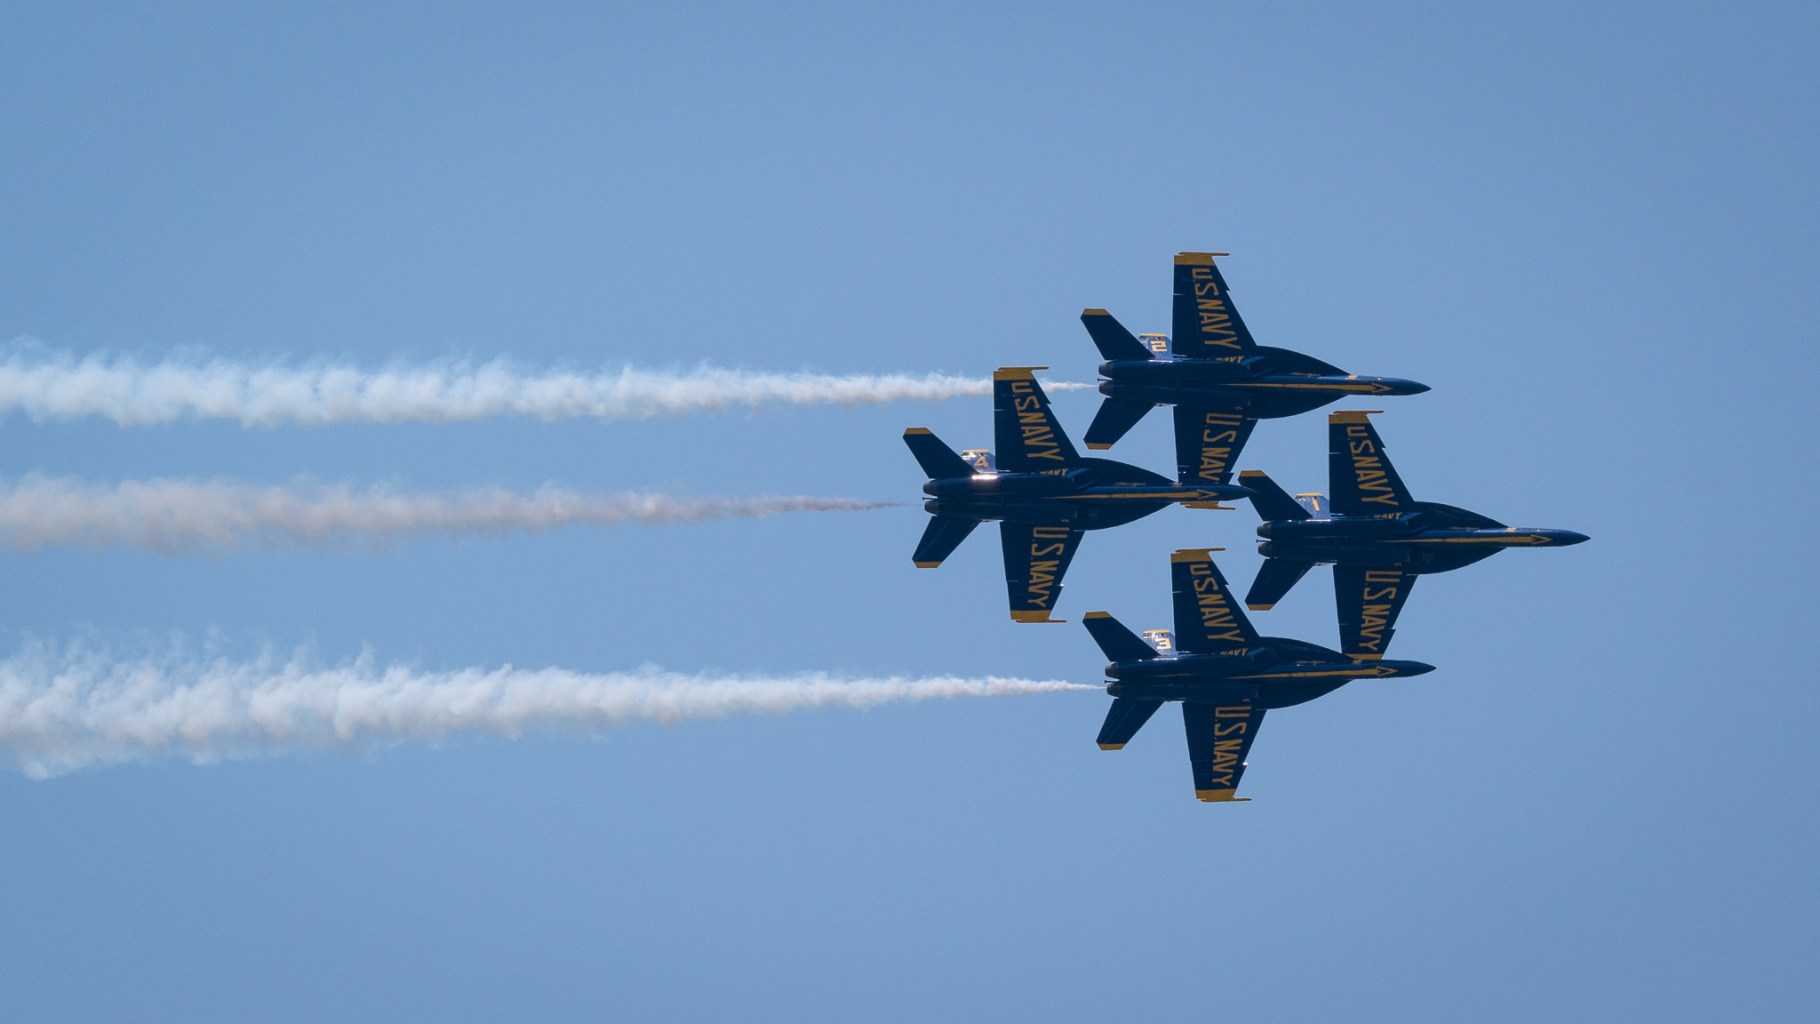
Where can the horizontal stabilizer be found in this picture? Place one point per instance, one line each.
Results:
(1114, 420)
(1126, 716)
(1111, 337)
(1275, 577)
(937, 459)
(940, 538)
(1219, 738)
(1119, 643)
(1272, 503)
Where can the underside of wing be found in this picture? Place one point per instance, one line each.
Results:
(1028, 437)
(1207, 619)
(1206, 325)
(1368, 601)
(1360, 478)
(1208, 441)
(1219, 738)
(1036, 556)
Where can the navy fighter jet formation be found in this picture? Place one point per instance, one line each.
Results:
(1221, 382)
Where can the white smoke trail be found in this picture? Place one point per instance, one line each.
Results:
(185, 515)
(61, 710)
(57, 386)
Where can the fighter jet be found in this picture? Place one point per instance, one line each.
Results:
(1223, 672)
(1044, 495)
(1377, 538)
(1220, 381)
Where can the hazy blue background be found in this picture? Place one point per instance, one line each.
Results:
(1590, 227)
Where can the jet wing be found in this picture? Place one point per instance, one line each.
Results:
(1368, 601)
(1025, 431)
(1207, 619)
(1219, 737)
(1208, 441)
(1036, 556)
(1204, 321)
(1360, 479)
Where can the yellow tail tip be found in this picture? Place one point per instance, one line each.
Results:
(1112, 746)
(1220, 796)
(1033, 617)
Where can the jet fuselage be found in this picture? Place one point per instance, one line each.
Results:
(1270, 384)
(1278, 673)
(1431, 538)
(1094, 494)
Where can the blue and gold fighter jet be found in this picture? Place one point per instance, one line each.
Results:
(1043, 494)
(1376, 536)
(1223, 672)
(1219, 379)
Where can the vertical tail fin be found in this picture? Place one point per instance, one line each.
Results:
(1027, 435)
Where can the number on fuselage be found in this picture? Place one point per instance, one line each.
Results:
(1161, 639)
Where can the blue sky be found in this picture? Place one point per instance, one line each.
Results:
(1590, 227)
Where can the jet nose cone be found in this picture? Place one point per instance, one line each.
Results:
(1564, 538)
(1414, 668)
(1411, 387)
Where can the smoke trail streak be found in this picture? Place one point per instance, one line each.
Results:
(178, 516)
(57, 386)
(78, 707)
